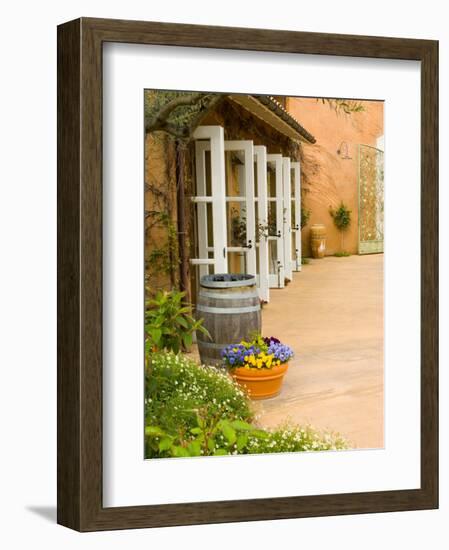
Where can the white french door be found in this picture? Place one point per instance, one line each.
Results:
(209, 200)
(225, 206)
(287, 218)
(240, 212)
(260, 198)
(275, 226)
(296, 215)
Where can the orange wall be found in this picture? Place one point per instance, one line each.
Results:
(327, 178)
(160, 197)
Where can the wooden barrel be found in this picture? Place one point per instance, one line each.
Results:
(230, 307)
(318, 240)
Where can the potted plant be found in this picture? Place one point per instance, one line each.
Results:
(259, 365)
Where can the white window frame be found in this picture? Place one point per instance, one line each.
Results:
(296, 230)
(260, 159)
(277, 280)
(247, 175)
(287, 218)
(211, 138)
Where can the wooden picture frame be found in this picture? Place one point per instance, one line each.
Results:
(80, 504)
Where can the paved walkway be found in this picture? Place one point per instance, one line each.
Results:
(331, 314)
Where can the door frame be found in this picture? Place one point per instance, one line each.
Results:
(296, 230)
(260, 159)
(277, 280)
(211, 138)
(287, 217)
(247, 148)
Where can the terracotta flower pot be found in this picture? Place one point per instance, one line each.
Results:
(261, 383)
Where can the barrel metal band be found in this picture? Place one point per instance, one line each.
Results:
(211, 345)
(227, 310)
(228, 284)
(236, 296)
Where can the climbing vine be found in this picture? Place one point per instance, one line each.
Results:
(305, 216)
(161, 237)
(345, 106)
(162, 258)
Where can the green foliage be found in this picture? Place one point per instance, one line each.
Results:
(184, 401)
(238, 227)
(168, 322)
(341, 217)
(346, 106)
(200, 411)
(305, 216)
(342, 254)
(181, 115)
(162, 258)
(305, 261)
(177, 113)
(209, 437)
(292, 438)
(342, 220)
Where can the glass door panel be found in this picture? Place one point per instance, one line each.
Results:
(261, 221)
(275, 223)
(296, 215)
(287, 205)
(240, 213)
(209, 212)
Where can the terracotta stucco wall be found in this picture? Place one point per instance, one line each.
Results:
(327, 178)
(160, 212)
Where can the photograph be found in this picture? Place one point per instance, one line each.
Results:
(229, 216)
(264, 274)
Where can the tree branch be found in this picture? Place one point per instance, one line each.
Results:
(184, 134)
(159, 121)
(216, 99)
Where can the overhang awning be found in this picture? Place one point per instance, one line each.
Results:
(271, 112)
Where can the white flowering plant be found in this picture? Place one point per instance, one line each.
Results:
(191, 410)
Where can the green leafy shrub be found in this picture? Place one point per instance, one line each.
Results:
(342, 220)
(181, 396)
(305, 216)
(217, 438)
(197, 411)
(168, 322)
(341, 217)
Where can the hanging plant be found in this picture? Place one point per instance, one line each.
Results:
(238, 227)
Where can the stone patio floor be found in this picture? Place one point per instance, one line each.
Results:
(331, 314)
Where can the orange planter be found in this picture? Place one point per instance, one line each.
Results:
(261, 383)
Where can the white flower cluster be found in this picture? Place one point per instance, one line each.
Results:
(183, 388)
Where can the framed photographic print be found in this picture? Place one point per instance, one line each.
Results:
(247, 288)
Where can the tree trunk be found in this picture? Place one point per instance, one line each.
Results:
(182, 227)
